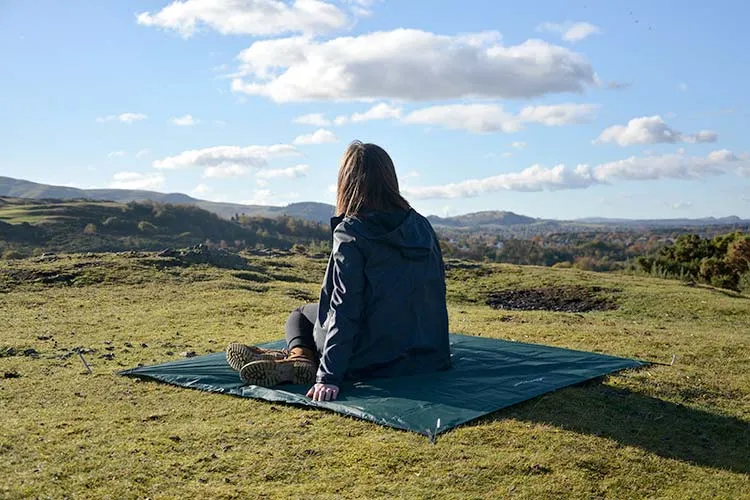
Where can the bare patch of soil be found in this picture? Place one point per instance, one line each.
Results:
(574, 299)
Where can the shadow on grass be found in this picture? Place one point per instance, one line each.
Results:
(667, 429)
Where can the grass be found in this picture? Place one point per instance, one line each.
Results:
(680, 431)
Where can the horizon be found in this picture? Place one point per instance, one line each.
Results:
(565, 110)
(592, 217)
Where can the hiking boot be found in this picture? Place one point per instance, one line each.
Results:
(299, 368)
(238, 355)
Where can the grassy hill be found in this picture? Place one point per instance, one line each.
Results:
(17, 188)
(34, 226)
(680, 431)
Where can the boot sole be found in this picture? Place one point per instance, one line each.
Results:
(238, 355)
(268, 373)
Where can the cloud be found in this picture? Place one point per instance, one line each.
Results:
(184, 121)
(411, 174)
(618, 85)
(559, 114)
(288, 173)
(226, 158)
(267, 197)
(135, 180)
(143, 152)
(317, 119)
(247, 17)
(201, 189)
(482, 118)
(518, 144)
(671, 166)
(320, 136)
(534, 178)
(380, 111)
(570, 31)
(650, 130)
(223, 171)
(408, 64)
(539, 178)
(123, 118)
(682, 87)
(116, 154)
(681, 205)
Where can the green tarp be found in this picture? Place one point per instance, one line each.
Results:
(487, 375)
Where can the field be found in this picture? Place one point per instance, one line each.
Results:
(679, 431)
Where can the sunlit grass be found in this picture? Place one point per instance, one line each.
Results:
(678, 431)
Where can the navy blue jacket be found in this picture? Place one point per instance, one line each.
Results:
(382, 304)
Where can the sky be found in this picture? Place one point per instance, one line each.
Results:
(547, 108)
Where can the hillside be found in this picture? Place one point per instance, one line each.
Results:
(486, 218)
(35, 226)
(17, 188)
(503, 222)
(677, 431)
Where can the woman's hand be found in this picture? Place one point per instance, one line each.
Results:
(323, 392)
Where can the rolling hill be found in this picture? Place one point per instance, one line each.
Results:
(321, 212)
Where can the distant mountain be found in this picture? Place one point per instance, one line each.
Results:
(321, 212)
(17, 188)
(704, 221)
(486, 218)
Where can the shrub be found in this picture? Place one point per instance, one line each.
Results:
(89, 229)
(146, 227)
(12, 255)
(744, 282)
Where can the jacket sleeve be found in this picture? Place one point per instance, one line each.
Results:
(346, 308)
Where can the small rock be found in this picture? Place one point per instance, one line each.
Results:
(169, 353)
(10, 351)
(32, 353)
(176, 439)
(108, 356)
(109, 348)
(128, 344)
(12, 374)
(188, 354)
(144, 345)
(43, 337)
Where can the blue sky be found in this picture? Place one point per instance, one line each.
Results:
(552, 109)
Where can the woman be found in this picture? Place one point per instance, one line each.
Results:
(382, 305)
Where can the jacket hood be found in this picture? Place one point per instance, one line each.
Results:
(405, 229)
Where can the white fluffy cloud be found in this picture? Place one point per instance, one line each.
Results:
(518, 144)
(481, 118)
(288, 173)
(650, 130)
(317, 119)
(408, 64)
(184, 121)
(247, 17)
(136, 180)
(320, 136)
(671, 166)
(226, 161)
(223, 171)
(122, 117)
(570, 31)
(559, 114)
(382, 111)
(534, 178)
(115, 154)
(539, 178)
(201, 189)
(143, 152)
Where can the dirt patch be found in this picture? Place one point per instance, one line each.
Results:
(555, 298)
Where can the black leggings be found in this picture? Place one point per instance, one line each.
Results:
(300, 326)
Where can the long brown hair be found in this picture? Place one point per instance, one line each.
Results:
(367, 182)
